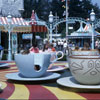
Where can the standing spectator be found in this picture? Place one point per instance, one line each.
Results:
(99, 46)
(73, 46)
(70, 44)
(54, 44)
(96, 44)
(65, 46)
(59, 44)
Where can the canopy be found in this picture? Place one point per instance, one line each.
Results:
(85, 32)
(22, 25)
(35, 26)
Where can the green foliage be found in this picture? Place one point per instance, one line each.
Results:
(77, 8)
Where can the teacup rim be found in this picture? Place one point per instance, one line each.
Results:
(33, 53)
(84, 56)
(85, 50)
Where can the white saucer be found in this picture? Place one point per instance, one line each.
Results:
(56, 68)
(4, 65)
(71, 82)
(67, 65)
(17, 76)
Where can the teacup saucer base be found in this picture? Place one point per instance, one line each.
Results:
(18, 77)
(4, 65)
(56, 68)
(72, 83)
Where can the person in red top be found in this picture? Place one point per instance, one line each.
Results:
(34, 48)
(52, 48)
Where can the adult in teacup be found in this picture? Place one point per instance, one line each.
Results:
(34, 48)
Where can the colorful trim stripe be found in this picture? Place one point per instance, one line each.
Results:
(7, 91)
(40, 93)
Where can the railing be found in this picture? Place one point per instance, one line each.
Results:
(70, 20)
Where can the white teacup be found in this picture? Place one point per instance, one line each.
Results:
(85, 69)
(28, 63)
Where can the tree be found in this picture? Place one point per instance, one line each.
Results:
(77, 8)
(43, 9)
(27, 9)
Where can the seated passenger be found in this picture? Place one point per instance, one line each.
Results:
(52, 48)
(86, 46)
(34, 48)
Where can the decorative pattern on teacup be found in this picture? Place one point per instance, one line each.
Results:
(75, 67)
(93, 67)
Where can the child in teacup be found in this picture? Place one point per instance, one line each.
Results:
(45, 47)
(52, 48)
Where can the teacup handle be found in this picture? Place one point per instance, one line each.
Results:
(62, 55)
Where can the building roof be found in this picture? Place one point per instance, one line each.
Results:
(11, 6)
(85, 32)
(23, 25)
(15, 21)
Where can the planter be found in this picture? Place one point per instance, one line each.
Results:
(85, 69)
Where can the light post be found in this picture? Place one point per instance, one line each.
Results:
(51, 21)
(33, 33)
(9, 28)
(92, 18)
(33, 22)
(56, 18)
(67, 20)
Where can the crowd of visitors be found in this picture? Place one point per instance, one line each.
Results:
(47, 47)
(60, 45)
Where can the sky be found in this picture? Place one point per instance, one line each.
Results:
(96, 1)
